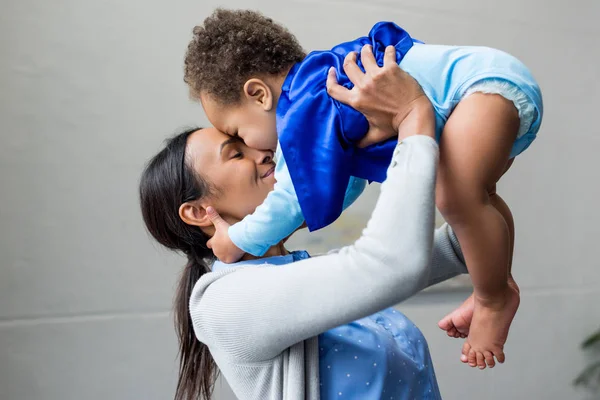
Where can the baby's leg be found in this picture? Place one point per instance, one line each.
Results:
(503, 209)
(474, 152)
(457, 323)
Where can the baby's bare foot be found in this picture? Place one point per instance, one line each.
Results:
(457, 323)
(489, 329)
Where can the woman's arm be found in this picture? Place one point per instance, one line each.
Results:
(255, 313)
(447, 260)
(394, 103)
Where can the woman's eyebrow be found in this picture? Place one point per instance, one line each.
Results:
(229, 141)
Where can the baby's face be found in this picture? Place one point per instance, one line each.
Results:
(255, 126)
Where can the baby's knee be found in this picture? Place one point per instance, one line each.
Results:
(447, 204)
(457, 204)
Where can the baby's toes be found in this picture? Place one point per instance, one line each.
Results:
(472, 357)
(464, 357)
(489, 359)
(499, 353)
(480, 360)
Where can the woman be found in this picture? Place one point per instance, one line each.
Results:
(283, 329)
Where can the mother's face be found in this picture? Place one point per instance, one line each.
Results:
(241, 177)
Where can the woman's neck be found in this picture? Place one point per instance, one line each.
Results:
(277, 250)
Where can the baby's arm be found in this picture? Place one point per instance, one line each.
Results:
(274, 220)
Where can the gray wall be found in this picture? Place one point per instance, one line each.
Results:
(89, 89)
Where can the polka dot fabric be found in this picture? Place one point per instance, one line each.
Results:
(383, 356)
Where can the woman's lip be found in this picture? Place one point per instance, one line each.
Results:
(269, 172)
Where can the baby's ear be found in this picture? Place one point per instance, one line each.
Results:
(258, 92)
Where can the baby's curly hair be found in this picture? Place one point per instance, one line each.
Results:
(233, 46)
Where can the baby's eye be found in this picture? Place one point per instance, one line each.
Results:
(238, 155)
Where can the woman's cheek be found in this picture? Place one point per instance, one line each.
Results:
(270, 181)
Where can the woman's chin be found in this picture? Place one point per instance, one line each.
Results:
(270, 180)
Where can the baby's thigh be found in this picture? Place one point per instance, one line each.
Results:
(523, 104)
(476, 142)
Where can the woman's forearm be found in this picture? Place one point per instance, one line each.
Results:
(254, 313)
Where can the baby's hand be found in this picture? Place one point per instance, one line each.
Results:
(220, 243)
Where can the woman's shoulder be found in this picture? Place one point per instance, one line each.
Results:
(231, 314)
(210, 285)
(217, 302)
(203, 304)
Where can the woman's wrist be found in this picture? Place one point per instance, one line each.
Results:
(420, 120)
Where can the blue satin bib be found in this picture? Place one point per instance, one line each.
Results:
(318, 134)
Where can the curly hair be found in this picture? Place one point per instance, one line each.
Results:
(232, 46)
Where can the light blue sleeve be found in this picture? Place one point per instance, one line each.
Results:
(274, 220)
(280, 214)
(355, 188)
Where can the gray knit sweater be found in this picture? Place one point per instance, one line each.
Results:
(261, 322)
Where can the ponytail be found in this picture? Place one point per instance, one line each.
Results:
(197, 369)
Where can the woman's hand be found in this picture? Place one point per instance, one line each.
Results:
(391, 100)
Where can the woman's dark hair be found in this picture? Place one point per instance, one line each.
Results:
(167, 182)
(232, 46)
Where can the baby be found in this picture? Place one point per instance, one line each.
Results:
(255, 82)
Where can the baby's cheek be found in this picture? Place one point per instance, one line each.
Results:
(268, 139)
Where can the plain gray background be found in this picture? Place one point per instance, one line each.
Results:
(89, 89)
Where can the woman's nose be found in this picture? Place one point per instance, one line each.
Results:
(260, 156)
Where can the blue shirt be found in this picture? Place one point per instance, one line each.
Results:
(382, 356)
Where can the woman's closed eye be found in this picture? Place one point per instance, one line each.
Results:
(235, 152)
(232, 149)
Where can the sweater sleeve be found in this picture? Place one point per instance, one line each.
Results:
(254, 313)
(447, 260)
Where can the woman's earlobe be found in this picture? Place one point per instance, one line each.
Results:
(194, 214)
(258, 92)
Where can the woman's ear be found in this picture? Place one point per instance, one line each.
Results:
(192, 213)
(258, 92)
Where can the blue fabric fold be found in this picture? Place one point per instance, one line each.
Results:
(318, 134)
